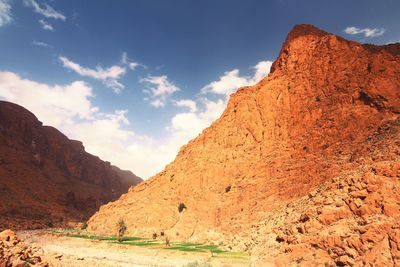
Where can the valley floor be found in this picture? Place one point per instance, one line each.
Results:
(62, 250)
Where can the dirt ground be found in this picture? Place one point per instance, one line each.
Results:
(60, 250)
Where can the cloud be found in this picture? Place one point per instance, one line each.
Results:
(367, 32)
(159, 88)
(70, 108)
(45, 25)
(187, 103)
(46, 11)
(5, 12)
(42, 44)
(187, 125)
(231, 80)
(126, 61)
(55, 105)
(158, 103)
(108, 76)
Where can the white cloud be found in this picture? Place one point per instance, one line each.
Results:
(231, 80)
(108, 76)
(367, 32)
(226, 84)
(158, 103)
(187, 103)
(70, 109)
(126, 61)
(159, 89)
(45, 25)
(55, 105)
(46, 11)
(42, 44)
(186, 126)
(262, 69)
(5, 12)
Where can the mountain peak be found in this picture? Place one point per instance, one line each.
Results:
(304, 29)
(329, 111)
(302, 38)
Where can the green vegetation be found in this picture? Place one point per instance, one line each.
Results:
(196, 248)
(144, 243)
(183, 248)
(153, 243)
(105, 238)
(121, 229)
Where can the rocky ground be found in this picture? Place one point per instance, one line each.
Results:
(16, 253)
(352, 219)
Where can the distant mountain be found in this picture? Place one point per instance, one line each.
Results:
(302, 168)
(47, 179)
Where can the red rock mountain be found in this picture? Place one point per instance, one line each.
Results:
(301, 168)
(45, 178)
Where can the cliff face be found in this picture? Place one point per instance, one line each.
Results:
(45, 178)
(315, 118)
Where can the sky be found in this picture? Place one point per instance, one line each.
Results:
(134, 80)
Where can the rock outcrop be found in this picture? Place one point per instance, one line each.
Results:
(47, 179)
(15, 253)
(306, 160)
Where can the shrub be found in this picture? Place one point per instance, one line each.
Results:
(121, 229)
(181, 207)
(228, 188)
(84, 225)
(154, 235)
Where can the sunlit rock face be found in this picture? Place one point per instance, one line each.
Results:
(320, 134)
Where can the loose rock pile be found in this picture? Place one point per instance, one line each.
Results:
(15, 253)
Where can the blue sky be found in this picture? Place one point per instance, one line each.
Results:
(135, 80)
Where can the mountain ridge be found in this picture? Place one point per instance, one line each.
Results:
(309, 121)
(48, 179)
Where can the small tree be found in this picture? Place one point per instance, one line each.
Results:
(181, 207)
(121, 229)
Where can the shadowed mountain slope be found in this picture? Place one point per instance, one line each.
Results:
(47, 179)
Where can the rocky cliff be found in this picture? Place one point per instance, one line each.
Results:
(302, 166)
(47, 179)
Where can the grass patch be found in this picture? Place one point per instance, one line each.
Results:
(196, 248)
(104, 238)
(208, 247)
(145, 243)
(187, 244)
(183, 248)
(154, 244)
